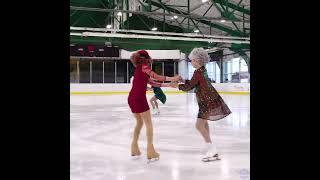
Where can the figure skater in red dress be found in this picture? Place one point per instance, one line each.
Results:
(138, 103)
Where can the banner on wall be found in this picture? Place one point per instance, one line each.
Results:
(94, 51)
(155, 54)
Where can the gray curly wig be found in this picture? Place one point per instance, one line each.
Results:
(200, 55)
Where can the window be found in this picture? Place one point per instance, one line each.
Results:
(109, 71)
(211, 71)
(243, 66)
(131, 70)
(169, 68)
(84, 71)
(191, 70)
(237, 70)
(227, 71)
(74, 77)
(235, 65)
(218, 78)
(157, 67)
(121, 71)
(177, 68)
(97, 71)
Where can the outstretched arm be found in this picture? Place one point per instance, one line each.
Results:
(157, 84)
(188, 85)
(153, 75)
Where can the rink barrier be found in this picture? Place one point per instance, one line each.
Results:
(124, 88)
(166, 92)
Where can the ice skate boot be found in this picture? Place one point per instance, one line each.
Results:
(212, 154)
(135, 152)
(152, 155)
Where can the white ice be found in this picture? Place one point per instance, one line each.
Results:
(101, 131)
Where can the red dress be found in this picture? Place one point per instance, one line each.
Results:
(211, 105)
(137, 99)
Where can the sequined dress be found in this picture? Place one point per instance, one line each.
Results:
(211, 105)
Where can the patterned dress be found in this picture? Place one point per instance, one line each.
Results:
(137, 99)
(211, 105)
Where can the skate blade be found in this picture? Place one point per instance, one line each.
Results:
(208, 159)
(153, 160)
(135, 157)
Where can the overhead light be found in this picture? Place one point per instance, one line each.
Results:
(108, 26)
(172, 18)
(119, 14)
(175, 17)
(154, 29)
(203, 1)
(72, 45)
(196, 30)
(223, 21)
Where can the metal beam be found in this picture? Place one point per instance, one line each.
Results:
(223, 28)
(188, 13)
(233, 6)
(206, 12)
(146, 7)
(227, 14)
(183, 14)
(136, 36)
(141, 19)
(214, 25)
(196, 26)
(237, 5)
(225, 11)
(159, 33)
(165, 9)
(137, 44)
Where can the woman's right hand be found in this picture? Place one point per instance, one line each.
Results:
(175, 78)
(174, 84)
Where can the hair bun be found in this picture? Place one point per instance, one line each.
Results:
(144, 53)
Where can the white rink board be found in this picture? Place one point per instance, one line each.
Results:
(155, 54)
(223, 87)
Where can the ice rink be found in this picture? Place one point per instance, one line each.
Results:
(101, 129)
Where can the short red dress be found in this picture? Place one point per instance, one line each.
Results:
(137, 99)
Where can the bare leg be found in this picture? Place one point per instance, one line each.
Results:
(155, 102)
(201, 127)
(151, 101)
(134, 146)
(207, 127)
(151, 153)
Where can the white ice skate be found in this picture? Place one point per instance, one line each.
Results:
(155, 112)
(212, 154)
